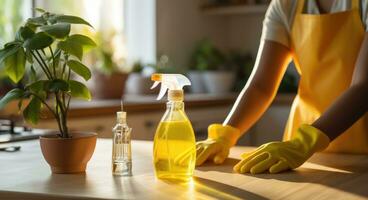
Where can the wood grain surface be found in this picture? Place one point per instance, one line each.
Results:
(25, 175)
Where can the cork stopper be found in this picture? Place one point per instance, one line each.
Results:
(121, 117)
(176, 95)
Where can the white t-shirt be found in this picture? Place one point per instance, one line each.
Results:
(280, 16)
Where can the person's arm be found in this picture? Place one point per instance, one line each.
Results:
(276, 157)
(271, 64)
(255, 98)
(352, 104)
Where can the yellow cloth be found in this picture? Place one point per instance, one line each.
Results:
(280, 156)
(325, 48)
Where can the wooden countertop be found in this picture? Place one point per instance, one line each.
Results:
(25, 175)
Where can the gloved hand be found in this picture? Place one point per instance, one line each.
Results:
(220, 140)
(276, 157)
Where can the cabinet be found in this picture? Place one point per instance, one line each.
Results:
(143, 123)
(144, 116)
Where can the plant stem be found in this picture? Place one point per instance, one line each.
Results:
(64, 125)
(58, 118)
(53, 61)
(45, 65)
(42, 67)
(56, 113)
(64, 66)
(44, 102)
(69, 74)
(61, 112)
(61, 108)
(50, 109)
(68, 103)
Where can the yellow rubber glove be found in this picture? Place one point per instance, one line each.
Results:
(216, 147)
(276, 157)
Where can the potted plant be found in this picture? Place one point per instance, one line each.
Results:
(139, 80)
(52, 54)
(242, 64)
(107, 70)
(209, 71)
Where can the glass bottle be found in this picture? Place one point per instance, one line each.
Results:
(121, 147)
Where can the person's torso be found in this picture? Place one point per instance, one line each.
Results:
(325, 48)
(311, 7)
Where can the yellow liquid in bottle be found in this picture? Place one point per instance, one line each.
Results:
(174, 150)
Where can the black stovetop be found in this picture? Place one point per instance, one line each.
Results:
(9, 132)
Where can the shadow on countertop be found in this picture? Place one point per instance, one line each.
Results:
(348, 175)
(220, 190)
(223, 191)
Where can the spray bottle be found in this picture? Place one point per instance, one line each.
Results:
(174, 151)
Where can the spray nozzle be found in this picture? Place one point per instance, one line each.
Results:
(171, 82)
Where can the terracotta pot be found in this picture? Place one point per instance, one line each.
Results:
(68, 155)
(107, 86)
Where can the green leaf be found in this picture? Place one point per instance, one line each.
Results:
(9, 50)
(32, 111)
(40, 10)
(79, 69)
(33, 27)
(38, 86)
(58, 85)
(15, 65)
(57, 56)
(29, 56)
(33, 75)
(39, 40)
(60, 30)
(13, 44)
(10, 96)
(79, 90)
(37, 20)
(69, 19)
(85, 41)
(71, 48)
(76, 44)
(24, 33)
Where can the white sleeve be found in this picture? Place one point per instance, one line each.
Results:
(277, 22)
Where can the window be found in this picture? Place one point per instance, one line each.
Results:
(12, 14)
(122, 26)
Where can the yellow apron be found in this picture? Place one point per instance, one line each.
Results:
(325, 48)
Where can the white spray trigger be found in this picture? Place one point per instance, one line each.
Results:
(155, 84)
(169, 82)
(162, 93)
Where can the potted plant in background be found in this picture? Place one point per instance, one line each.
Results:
(139, 80)
(243, 64)
(45, 47)
(107, 70)
(209, 69)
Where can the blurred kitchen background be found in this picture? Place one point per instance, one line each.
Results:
(213, 42)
